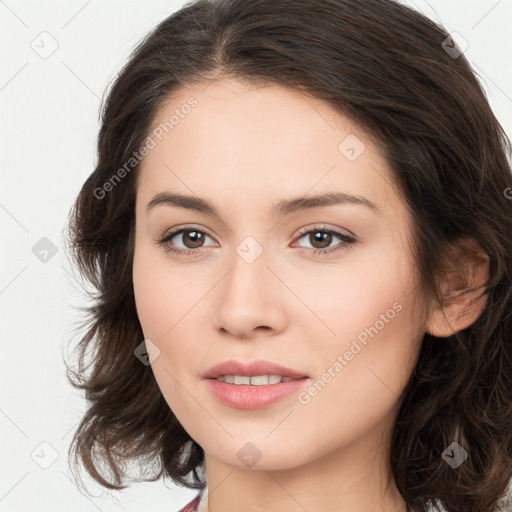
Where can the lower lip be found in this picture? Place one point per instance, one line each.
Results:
(253, 397)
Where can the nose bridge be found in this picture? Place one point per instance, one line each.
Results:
(247, 297)
(247, 282)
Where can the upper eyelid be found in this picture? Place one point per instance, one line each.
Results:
(178, 231)
(339, 231)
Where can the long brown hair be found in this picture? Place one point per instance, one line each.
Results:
(385, 66)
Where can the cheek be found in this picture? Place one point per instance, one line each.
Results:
(158, 310)
(363, 373)
(166, 299)
(154, 301)
(148, 297)
(353, 295)
(158, 288)
(373, 311)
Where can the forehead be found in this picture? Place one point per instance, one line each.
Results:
(268, 141)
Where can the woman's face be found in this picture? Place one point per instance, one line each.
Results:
(327, 289)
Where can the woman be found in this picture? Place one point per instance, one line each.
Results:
(299, 231)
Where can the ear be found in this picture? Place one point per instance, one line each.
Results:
(466, 271)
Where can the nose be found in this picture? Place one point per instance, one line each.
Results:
(250, 299)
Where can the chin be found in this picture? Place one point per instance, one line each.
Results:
(260, 455)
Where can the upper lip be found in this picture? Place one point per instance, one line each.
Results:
(251, 369)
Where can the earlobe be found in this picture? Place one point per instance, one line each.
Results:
(463, 283)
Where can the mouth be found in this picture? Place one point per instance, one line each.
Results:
(253, 385)
(258, 372)
(257, 380)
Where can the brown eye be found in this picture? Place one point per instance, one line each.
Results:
(191, 241)
(322, 238)
(192, 237)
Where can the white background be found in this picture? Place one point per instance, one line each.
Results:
(49, 124)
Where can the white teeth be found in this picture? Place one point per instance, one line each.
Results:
(242, 380)
(258, 380)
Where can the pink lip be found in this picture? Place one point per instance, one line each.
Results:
(251, 369)
(252, 397)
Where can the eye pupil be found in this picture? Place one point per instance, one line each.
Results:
(322, 237)
(195, 234)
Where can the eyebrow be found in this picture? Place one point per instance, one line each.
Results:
(281, 208)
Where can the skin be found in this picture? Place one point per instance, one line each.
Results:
(244, 148)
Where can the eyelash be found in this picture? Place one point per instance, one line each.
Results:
(345, 239)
